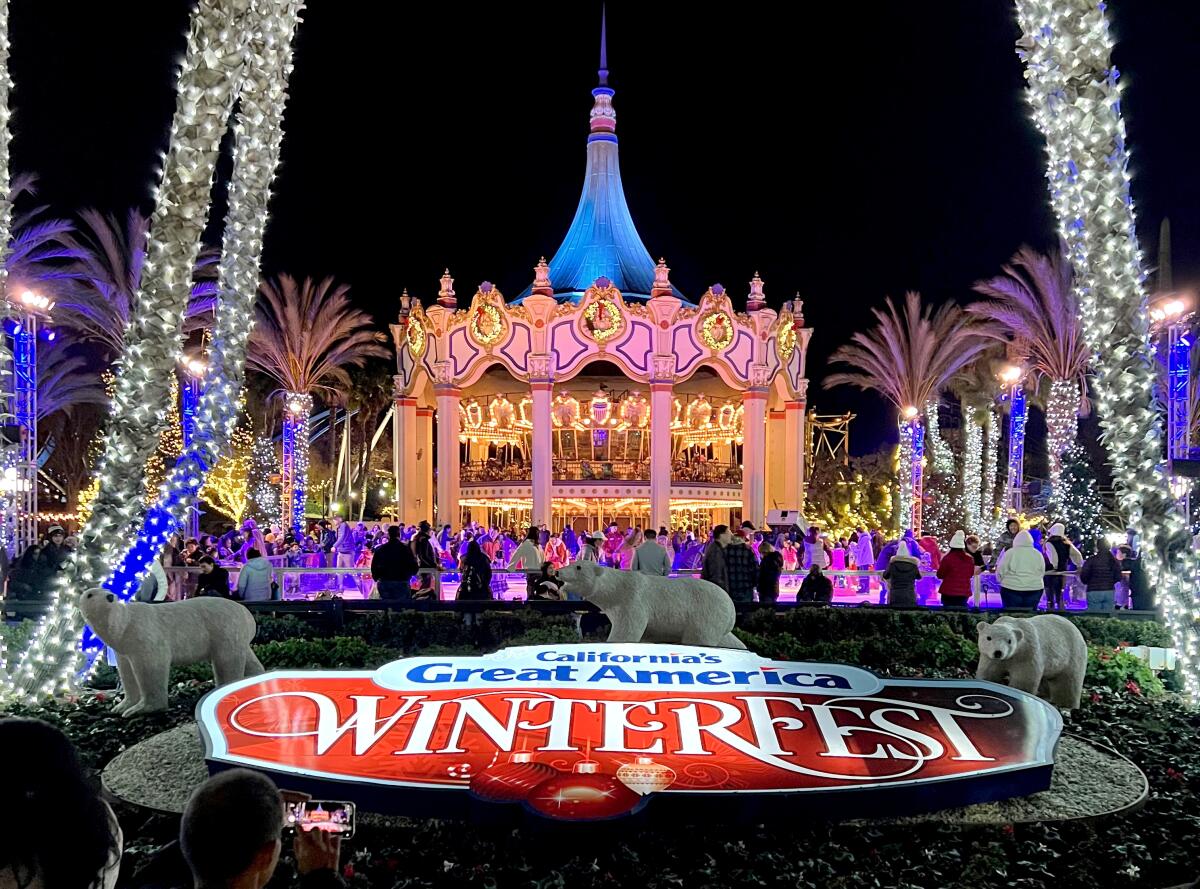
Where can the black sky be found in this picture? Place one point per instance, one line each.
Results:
(845, 151)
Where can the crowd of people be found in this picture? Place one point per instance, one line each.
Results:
(1024, 566)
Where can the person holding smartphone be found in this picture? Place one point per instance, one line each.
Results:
(231, 834)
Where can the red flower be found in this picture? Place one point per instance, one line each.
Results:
(101, 697)
(1174, 775)
(348, 871)
(1008, 830)
(1095, 697)
(1133, 688)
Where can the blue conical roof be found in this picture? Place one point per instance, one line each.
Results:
(602, 240)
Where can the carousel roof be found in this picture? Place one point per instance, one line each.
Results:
(602, 240)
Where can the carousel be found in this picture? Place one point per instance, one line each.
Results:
(600, 394)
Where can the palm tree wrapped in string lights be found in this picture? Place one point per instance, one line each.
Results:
(1035, 301)
(305, 336)
(910, 356)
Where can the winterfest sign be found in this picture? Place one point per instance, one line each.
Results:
(582, 732)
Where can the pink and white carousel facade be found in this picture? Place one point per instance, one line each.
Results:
(600, 394)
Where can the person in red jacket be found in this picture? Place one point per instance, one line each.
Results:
(956, 571)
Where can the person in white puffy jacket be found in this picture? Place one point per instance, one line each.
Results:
(1021, 573)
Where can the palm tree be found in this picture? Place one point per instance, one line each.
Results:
(976, 388)
(910, 356)
(1035, 301)
(64, 379)
(40, 251)
(305, 336)
(109, 255)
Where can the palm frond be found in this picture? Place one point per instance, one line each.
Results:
(306, 334)
(64, 379)
(912, 353)
(1035, 301)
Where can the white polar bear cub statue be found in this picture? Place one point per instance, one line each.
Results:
(151, 638)
(1043, 655)
(644, 608)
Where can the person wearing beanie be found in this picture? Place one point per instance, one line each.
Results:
(1061, 555)
(956, 571)
(902, 573)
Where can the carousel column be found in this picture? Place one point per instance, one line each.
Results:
(661, 394)
(540, 385)
(794, 473)
(404, 458)
(423, 496)
(754, 450)
(448, 398)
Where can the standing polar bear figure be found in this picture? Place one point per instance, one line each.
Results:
(151, 638)
(644, 608)
(1043, 655)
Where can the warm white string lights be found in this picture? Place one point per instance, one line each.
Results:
(1075, 98)
(940, 454)
(258, 140)
(8, 453)
(1062, 423)
(227, 39)
(991, 513)
(972, 474)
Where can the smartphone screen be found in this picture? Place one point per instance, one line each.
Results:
(322, 814)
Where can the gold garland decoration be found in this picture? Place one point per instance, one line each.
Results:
(615, 322)
(493, 315)
(416, 338)
(786, 341)
(715, 343)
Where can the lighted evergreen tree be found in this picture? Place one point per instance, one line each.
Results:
(264, 506)
(227, 486)
(1076, 501)
(170, 446)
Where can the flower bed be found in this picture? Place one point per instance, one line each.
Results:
(1125, 706)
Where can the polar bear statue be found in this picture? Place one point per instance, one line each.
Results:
(644, 608)
(151, 638)
(1043, 655)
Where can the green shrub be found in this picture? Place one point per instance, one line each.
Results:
(336, 653)
(1120, 671)
(274, 629)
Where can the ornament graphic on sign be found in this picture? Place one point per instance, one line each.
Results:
(599, 731)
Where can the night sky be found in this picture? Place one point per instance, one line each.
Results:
(846, 153)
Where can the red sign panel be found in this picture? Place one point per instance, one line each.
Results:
(598, 731)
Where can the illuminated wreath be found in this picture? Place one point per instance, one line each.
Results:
(604, 321)
(786, 342)
(486, 324)
(416, 337)
(717, 331)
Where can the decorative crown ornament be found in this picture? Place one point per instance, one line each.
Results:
(446, 297)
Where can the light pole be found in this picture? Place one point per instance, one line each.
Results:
(1170, 314)
(1011, 376)
(19, 481)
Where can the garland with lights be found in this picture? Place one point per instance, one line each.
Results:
(258, 139)
(1075, 99)
(221, 44)
(1062, 424)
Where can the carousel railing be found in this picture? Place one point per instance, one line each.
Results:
(601, 470)
(707, 473)
(494, 471)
